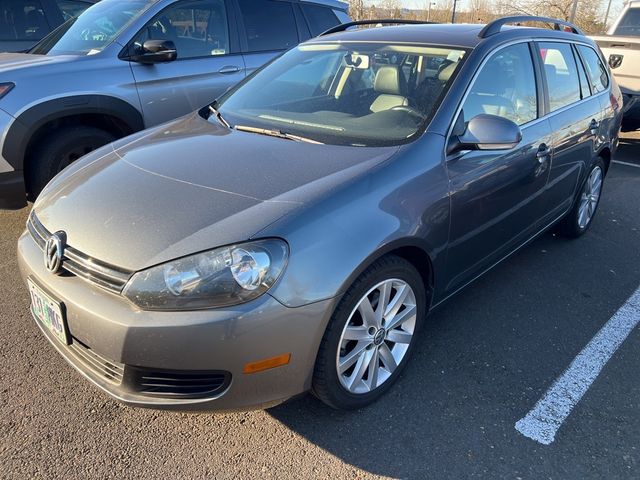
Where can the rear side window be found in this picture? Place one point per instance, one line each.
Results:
(584, 81)
(72, 8)
(595, 69)
(506, 87)
(562, 74)
(269, 25)
(22, 20)
(320, 18)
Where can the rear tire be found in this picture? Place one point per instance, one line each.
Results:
(57, 151)
(363, 354)
(581, 216)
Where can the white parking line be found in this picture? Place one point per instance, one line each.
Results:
(627, 164)
(542, 423)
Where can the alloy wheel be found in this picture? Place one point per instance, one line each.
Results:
(377, 336)
(590, 198)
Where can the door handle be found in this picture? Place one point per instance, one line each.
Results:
(594, 126)
(543, 153)
(229, 69)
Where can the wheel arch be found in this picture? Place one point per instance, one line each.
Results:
(605, 154)
(110, 113)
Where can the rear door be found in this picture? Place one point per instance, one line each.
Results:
(497, 195)
(575, 117)
(208, 63)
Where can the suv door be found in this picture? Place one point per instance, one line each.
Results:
(575, 117)
(496, 195)
(205, 35)
(267, 29)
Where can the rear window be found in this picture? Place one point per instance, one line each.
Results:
(595, 68)
(562, 74)
(269, 25)
(320, 18)
(629, 23)
(22, 20)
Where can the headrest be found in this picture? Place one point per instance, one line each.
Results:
(388, 80)
(447, 72)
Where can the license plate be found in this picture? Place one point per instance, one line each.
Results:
(48, 312)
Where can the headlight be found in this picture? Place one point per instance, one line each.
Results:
(5, 88)
(218, 278)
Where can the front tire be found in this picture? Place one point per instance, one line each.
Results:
(579, 219)
(371, 335)
(58, 150)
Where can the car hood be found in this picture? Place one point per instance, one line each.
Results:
(189, 186)
(15, 61)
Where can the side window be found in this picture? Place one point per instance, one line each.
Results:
(506, 87)
(320, 18)
(72, 8)
(22, 20)
(584, 82)
(198, 29)
(269, 25)
(562, 74)
(595, 68)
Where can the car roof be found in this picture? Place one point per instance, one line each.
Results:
(453, 35)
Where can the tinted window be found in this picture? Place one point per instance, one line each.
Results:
(269, 25)
(320, 19)
(198, 29)
(584, 82)
(72, 8)
(595, 68)
(505, 87)
(22, 20)
(562, 74)
(630, 23)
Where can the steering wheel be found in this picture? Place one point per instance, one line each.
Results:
(90, 34)
(412, 112)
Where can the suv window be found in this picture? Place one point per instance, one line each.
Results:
(269, 25)
(22, 20)
(72, 8)
(562, 74)
(629, 24)
(198, 29)
(584, 82)
(505, 87)
(595, 68)
(320, 18)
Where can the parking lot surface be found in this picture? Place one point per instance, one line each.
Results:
(482, 363)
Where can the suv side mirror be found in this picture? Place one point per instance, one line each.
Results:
(487, 132)
(155, 51)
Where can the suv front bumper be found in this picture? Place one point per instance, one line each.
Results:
(12, 188)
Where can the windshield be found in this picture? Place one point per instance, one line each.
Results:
(629, 24)
(92, 31)
(345, 94)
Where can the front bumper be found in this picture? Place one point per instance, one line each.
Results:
(128, 340)
(12, 189)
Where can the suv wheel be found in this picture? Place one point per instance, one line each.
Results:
(579, 219)
(59, 150)
(371, 335)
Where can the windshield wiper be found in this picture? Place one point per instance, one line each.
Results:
(218, 115)
(276, 133)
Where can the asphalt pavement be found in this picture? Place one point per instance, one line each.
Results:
(483, 361)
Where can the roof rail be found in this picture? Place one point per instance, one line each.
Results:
(495, 26)
(389, 21)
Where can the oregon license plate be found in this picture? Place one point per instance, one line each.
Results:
(48, 312)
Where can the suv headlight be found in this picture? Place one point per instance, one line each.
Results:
(219, 278)
(6, 88)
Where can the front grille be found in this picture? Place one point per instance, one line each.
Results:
(77, 263)
(100, 366)
(178, 384)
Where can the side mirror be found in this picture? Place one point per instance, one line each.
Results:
(156, 51)
(487, 132)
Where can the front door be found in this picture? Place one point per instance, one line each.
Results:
(208, 60)
(496, 195)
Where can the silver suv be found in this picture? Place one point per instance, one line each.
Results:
(123, 66)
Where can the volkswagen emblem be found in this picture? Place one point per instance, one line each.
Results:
(615, 61)
(54, 251)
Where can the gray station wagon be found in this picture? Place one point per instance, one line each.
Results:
(126, 65)
(293, 235)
